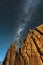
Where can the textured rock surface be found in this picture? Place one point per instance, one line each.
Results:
(31, 52)
(10, 56)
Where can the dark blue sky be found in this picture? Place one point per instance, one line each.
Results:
(17, 16)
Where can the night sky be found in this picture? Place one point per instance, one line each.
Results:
(16, 18)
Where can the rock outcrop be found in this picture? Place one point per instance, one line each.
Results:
(31, 51)
(10, 55)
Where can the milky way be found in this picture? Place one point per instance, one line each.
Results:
(28, 6)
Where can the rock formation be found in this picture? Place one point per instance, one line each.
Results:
(31, 51)
(10, 56)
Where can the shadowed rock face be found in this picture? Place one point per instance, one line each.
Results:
(31, 51)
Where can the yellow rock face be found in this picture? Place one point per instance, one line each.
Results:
(31, 51)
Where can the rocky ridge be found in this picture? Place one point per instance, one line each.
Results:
(31, 51)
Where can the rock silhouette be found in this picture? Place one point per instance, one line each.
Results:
(31, 51)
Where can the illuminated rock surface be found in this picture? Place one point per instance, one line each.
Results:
(31, 51)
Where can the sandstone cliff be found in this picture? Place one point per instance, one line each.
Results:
(31, 51)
